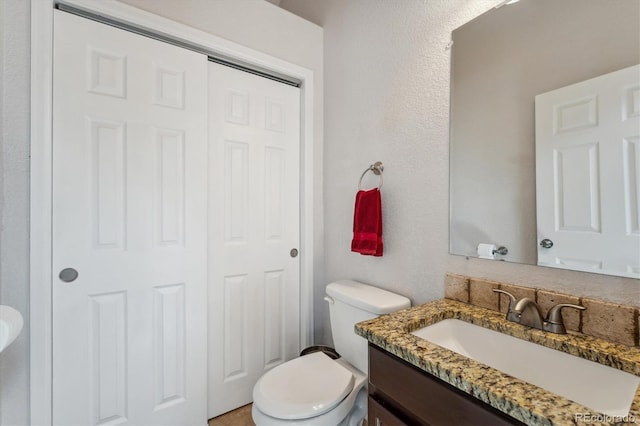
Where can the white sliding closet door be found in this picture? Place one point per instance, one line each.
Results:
(254, 220)
(129, 215)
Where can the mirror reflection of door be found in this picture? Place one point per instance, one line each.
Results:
(588, 175)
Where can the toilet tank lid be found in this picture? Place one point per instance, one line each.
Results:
(366, 297)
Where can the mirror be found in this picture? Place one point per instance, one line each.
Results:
(501, 61)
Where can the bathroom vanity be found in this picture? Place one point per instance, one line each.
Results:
(415, 381)
(400, 393)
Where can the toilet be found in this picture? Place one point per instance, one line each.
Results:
(315, 389)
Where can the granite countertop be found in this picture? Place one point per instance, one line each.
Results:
(517, 398)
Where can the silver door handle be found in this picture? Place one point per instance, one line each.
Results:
(68, 275)
(293, 252)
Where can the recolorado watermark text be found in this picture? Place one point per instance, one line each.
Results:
(603, 418)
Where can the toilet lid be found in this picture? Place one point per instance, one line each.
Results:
(303, 387)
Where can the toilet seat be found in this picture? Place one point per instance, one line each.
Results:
(304, 387)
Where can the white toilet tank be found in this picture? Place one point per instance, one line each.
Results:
(351, 302)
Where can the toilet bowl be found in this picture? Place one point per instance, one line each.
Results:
(315, 389)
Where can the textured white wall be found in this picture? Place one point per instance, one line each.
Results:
(387, 99)
(14, 203)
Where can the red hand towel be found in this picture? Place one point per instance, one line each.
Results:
(367, 223)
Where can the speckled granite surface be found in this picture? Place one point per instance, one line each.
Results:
(521, 400)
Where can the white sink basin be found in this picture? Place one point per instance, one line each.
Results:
(11, 323)
(596, 386)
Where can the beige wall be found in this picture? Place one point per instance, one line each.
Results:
(387, 98)
(501, 61)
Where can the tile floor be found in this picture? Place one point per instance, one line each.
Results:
(238, 417)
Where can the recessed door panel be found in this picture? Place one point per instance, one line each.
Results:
(274, 317)
(274, 190)
(236, 182)
(631, 102)
(577, 196)
(631, 167)
(237, 107)
(109, 357)
(169, 87)
(169, 344)
(106, 71)
(109, 182)
(576, 114)
(169, 191)
(235, 327)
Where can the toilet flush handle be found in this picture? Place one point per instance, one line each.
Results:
(328, 299)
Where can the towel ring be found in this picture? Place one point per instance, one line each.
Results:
(377, 168)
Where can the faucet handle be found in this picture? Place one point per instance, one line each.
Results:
(554, 322)
(512, 315)
(512, 298)
(554, 316)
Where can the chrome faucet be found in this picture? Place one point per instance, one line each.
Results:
(527, 312)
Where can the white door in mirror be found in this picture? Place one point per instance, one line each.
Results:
(588, 175)
(11, 323)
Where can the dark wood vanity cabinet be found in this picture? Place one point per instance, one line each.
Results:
(379, 415)
(401, 394)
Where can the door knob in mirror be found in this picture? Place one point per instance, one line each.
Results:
(546, 243)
